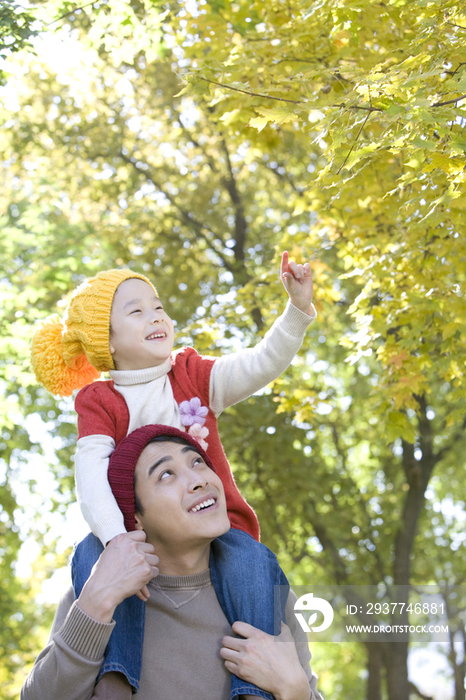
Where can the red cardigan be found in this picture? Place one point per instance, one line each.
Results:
(102, 410)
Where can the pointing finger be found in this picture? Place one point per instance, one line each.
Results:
(284, 264)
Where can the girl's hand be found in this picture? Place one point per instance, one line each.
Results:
(297, 280)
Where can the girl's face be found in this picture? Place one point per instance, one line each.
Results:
(141, 333)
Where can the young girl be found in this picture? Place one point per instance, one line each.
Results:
(116, 322)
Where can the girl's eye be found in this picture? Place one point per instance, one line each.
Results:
(165, 473)
(136, 311)
(198, 461)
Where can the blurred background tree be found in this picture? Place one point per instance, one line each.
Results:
(193, 142)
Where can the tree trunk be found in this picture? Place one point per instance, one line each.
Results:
(458, 668)
(396, 664)
(374, 667)
(417, 473)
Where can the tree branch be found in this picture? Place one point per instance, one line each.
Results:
(362, 501)
(367, 109)
(188, 135)
(252, 94)
(340, 571)
(241, 230)
(444, 450)
(198, 225)
(71, 12)
(270, 506)
(227, 21)
(458, 26)
(354, 143)
(414, 689)
(241, 225)
(448, 102)
(287, 178)
(454, 72)
(318, 527)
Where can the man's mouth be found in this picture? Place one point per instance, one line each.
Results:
(208, 503)
(156, 336)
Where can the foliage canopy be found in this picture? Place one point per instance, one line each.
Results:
(194, 142)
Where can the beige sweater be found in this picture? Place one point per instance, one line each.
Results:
(183, 632)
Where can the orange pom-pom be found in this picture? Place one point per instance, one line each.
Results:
(49, 365)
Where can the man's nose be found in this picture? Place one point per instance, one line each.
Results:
(197, 481)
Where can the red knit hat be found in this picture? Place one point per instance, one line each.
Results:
(123, 463)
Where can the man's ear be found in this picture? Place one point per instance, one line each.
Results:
(139, 525)
(112, 349)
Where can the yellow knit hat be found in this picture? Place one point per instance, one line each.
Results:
(66, 355)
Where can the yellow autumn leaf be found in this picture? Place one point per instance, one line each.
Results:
(445, 163)
(228, 118)
(258, 123)
(279, 115)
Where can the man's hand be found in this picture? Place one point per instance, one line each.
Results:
(297, 280)
(123, 569)
(271, 664)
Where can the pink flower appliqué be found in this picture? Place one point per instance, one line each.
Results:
(192, 412)
(199, 433)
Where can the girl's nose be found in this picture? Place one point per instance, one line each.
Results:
(154, 315)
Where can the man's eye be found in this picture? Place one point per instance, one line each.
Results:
(165, 473)
(198, 461)
(136, 311)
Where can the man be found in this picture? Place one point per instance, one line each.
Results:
(166, 487)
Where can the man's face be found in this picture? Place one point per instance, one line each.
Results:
(141, 333)
(182, 499)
